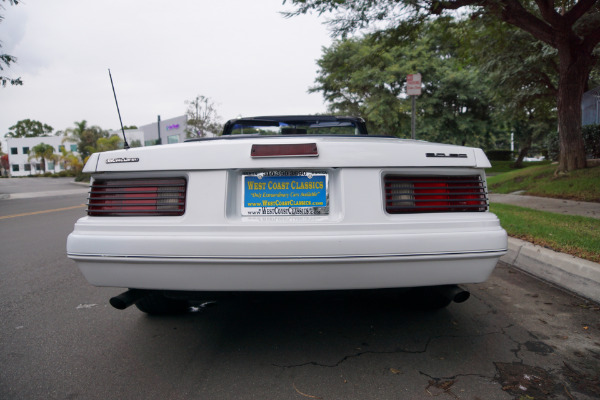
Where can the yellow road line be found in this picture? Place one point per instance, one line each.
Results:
(41, 212)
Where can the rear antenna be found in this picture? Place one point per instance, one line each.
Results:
(125, 144)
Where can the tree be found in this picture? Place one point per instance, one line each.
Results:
(113, 142)
(571, 27)
(42, 152)
(6, 59)
(70, 161)
(29, 128)
(525, 69)
(202, 117)
(367, 76)
(86, 137)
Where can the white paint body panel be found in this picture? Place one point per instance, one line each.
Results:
(212, 247)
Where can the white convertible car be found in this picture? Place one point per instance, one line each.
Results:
(292, 203)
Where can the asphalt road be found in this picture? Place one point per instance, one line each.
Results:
(60, 339)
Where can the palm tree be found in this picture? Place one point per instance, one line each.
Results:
(86, 137)
(71, 162)
(44, 152)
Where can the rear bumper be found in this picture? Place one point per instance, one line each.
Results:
(222, 261)
(205, 274)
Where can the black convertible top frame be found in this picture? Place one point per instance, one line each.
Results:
(294, 120)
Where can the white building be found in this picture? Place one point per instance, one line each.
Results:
(18, 150)
(163, 131)
(172, 130)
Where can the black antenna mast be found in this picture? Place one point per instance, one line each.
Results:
(125, 144)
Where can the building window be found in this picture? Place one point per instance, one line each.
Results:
(14, 150)
(25, 150)
(61, 148)
(27, 168)
(50, 165)
(173, 139)
(73, 147)
(15, 167)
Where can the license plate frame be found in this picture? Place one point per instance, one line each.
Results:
(285, 192)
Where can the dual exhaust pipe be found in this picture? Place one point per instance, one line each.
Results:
(453, 293)
(126, 299)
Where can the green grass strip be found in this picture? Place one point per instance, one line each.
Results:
(582, 184)
(570, 234)
(499, 167)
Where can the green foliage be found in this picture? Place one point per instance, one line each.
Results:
(6, 59)
(552, 145)
(367, 77)
(29, 128)
(86, 137)
(81, 177)
(70, 162)
(566, 37)
(527, 72)
(499, 155)
(591, 138)
(112, 142)
(43, 152)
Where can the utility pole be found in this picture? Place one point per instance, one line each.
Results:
(159, 141)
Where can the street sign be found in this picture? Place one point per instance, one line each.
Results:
(413, 84)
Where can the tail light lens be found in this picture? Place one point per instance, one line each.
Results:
(423, 194)
(137, 197)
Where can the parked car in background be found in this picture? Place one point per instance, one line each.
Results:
(286, 203)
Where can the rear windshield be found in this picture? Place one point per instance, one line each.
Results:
(301, 128)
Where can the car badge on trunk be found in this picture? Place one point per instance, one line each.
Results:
(451, 155)
(122, 160)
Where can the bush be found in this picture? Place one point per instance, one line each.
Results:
(591, 139)
(65, 173)
(552, 146)
(81, 177)
(499, 155)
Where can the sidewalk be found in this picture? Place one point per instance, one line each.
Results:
(575, 274)
(559, 206)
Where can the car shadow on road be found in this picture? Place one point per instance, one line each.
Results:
(292, 329)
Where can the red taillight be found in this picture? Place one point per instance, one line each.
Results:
(137, 197)
(284, 150)
(421, 194)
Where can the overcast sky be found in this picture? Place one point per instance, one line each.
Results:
(242, 54)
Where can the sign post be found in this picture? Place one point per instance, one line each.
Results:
(413, 89)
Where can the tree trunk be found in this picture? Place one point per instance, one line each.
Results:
(574, 69)
(524, 150)
(575, 61)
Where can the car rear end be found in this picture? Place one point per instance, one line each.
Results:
(287, 214)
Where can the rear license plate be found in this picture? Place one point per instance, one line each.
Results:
(285, 193)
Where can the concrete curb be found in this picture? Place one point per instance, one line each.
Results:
(86, 184)
(575, 274)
